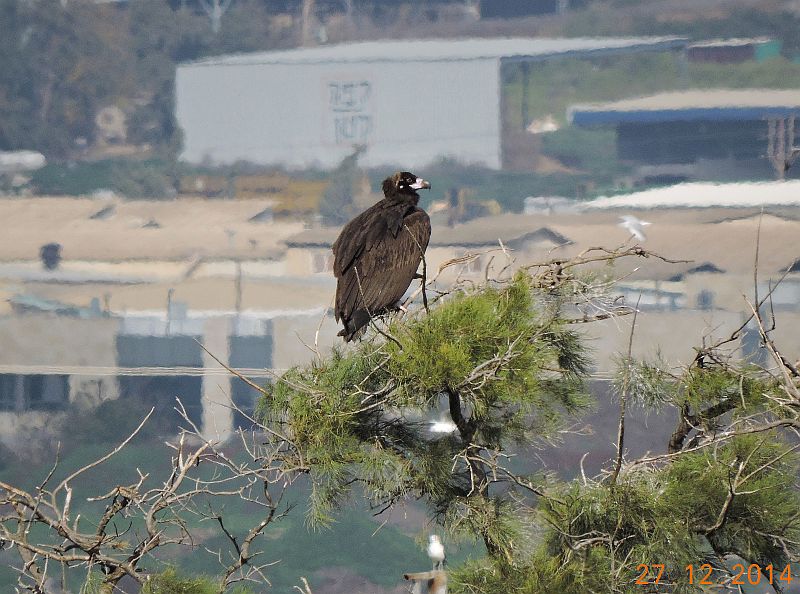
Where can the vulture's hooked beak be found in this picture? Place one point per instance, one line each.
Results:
(421, 184)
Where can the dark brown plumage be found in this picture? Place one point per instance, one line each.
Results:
(377, 254)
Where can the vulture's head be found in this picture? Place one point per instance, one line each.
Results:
(404, 184)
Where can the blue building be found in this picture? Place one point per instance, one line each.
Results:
(701, 134)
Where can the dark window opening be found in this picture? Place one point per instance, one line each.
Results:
(46, 392)
(160, 393)
(245, 397)
(159, 351)
(8, 391)
(249, 352)
(510, 9)
(33, 392)
(253, 352)
(705, 300)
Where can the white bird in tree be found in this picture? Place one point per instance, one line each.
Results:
(436, 551)
(445, 424)
(634, 226)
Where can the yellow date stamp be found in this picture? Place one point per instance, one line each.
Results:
(648, 574)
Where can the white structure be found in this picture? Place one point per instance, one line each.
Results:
(408, 102)
(16, 161)
(707, 195)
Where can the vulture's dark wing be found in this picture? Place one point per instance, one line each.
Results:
(374, 266)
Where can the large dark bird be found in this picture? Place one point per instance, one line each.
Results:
(377, 254)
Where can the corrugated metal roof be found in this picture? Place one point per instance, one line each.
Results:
(478, 233)
(732, 42)
(724, 237)
(432, 50)
(140, 229)
(705, 195)
(718, 104)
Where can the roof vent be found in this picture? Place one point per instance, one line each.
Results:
(104, 213)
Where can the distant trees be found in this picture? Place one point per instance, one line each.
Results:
(63, 62)
(60, 65)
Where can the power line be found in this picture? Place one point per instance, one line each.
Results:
(249, 372)
(136, 371)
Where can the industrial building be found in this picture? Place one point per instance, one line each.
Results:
(701, 134)
(143, 307)
(407, 102)
(157, 313)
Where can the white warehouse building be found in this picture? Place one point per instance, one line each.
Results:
(407, 102)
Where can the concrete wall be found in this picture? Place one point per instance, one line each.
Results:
(42, 339)
(217, 414)
(295, 334)
(300, 261)
(672, 335)
(303, 115)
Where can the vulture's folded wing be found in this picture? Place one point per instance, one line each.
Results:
(380, 274)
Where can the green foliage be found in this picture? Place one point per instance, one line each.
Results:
(589, 150)
(508, 188)
(761, 471)
(711, 389)
(712, 385)
(602, 533)
(739, 21)
(442, 351)
(722, 493)
(646, 383)
(171, 582)
(555, 85)
(64, 62)
(129, 177)
(504, 366)
(597, 535)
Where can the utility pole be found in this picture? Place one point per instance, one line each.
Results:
(307, 17)
(238, 288)
(780, 144)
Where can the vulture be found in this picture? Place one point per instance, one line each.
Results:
(377, 254)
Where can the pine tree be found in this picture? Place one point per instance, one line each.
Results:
(505, 361)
